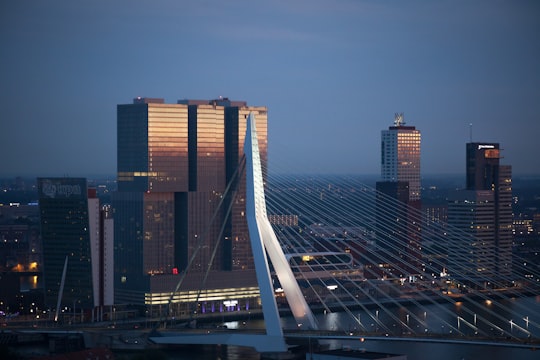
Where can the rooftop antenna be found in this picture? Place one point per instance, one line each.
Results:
(470, 131)
(399, 119)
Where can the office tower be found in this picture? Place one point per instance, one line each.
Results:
(74, 225)
(63, 205)
(400, 156)
(180, 202)
(471, 247)
(485, 175)
(398, 199)
(484, 172)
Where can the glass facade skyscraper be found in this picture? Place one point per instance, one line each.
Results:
(65, 231)
(180, 203)
(486, 205)
(485, 175)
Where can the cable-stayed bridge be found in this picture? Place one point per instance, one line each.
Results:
(338, 246)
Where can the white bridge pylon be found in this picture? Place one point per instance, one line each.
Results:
(263, 237)
(263, 240)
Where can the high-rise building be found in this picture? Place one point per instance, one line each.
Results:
(400, 155)
(491, 238)
(398, 198)
(471, 247)
(75, 227)
(102, 249)
(180, 202)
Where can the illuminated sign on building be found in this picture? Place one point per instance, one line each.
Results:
(491, 154)
(480, 147)
(61, 187)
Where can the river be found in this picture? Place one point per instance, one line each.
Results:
(433, 318)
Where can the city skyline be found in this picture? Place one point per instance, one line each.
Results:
(332, 75)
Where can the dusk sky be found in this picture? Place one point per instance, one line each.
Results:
(332, 74)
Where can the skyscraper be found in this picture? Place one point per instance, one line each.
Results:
(489, 189)
(471, 247)
(180, 201)
(398, 231)
(400, 155)
(76, 227)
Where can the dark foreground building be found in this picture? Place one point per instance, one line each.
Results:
(77, 235)
(63, 205)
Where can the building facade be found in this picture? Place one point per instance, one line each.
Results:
(20, 259)
(75, 227)
(488, 237)
(63, 205)
(179, 210)
(486, 173)
(101, 226)
(400, 155)
(471, 247)
(398, 199)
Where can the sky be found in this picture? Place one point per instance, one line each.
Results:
(332, 74)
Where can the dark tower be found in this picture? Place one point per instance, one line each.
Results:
(485, 173)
